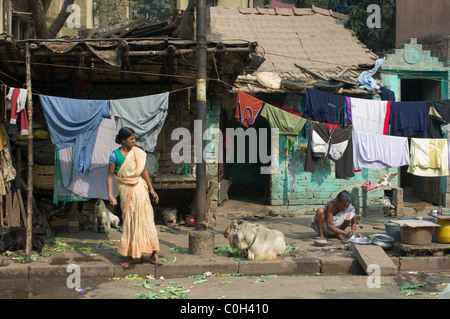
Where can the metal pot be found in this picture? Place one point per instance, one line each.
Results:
(360, 241)
(384, 241)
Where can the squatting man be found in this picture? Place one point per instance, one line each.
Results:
(335, 217)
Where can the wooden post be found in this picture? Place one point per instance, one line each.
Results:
(30, 155)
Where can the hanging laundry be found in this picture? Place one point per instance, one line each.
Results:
(381, 151)
(74, 122)
(429, 157)
(335, 143)
(287, 123)
(324, 107)
(16, 101)
(145, 115)
(289, 110)
(72, 185)
(229, 104)
(387, 94)
(438, 114)
(409, 119)
(247, 109)
(368, 116)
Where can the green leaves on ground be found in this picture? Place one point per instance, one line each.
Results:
(410, 290)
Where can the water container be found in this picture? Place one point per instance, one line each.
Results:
(442, 234)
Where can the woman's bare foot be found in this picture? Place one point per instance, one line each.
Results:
(155, 258)
(127, 263)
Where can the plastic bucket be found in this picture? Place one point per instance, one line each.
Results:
(393, 230)
(442, 234)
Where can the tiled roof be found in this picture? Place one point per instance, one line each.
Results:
(313, 38)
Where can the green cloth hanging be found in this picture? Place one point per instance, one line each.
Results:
(287, 123)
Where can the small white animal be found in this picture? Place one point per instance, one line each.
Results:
(386, 179)
(106, 218)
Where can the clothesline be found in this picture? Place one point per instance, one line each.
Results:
(344, 104)
(38, 93)
(368, 145)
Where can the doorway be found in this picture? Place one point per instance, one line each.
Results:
(247, 184)
(429, 189)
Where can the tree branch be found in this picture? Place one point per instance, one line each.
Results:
(58, 23)
(37, 9)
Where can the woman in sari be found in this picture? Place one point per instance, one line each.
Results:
(127, 164)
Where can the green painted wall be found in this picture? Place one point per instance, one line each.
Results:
(313, 190)
(310, 190)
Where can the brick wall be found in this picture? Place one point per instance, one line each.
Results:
(182, 114)
(313, 190)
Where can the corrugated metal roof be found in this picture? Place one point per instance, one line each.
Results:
(313, 38)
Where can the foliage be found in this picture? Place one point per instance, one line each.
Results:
(378, 40)
(173, 291)
(153, 10)
(289, 249)
(410, 290)
(111, 12)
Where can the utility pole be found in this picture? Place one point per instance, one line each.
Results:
(201, 109)
(201, 240)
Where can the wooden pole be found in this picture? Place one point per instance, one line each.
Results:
(30, 155)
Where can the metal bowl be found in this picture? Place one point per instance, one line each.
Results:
(320, 242)
(384, 241)
(360, 241)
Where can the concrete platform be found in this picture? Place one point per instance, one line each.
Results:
(99, 258)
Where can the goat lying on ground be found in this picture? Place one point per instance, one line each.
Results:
(259, 242)
(17, 239)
